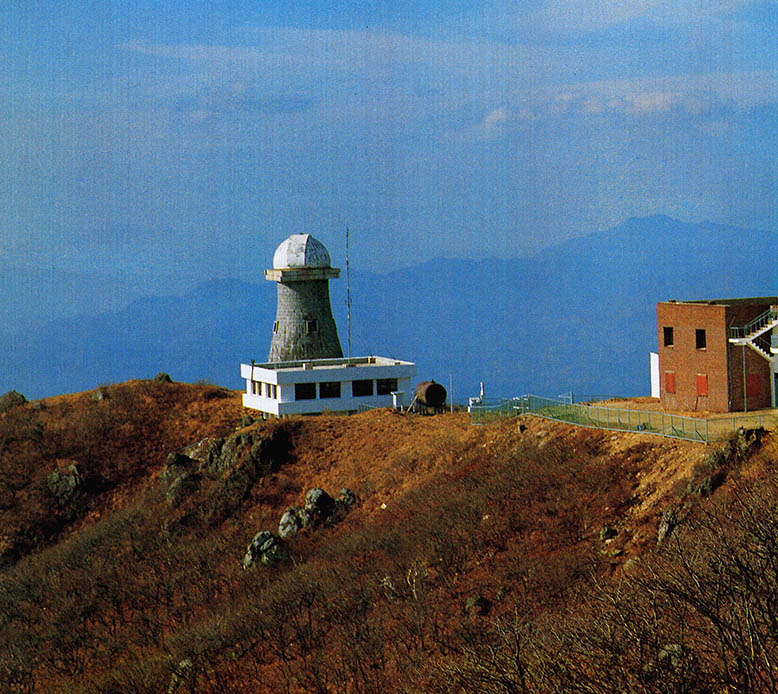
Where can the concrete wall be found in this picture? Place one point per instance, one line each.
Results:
(656, 388)
(286, 378)
(297, 303)
(346, 403)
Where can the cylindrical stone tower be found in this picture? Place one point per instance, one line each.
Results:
(304, 327)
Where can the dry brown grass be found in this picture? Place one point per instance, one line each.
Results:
(506, 515)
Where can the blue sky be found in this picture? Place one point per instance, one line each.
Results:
(186, 140)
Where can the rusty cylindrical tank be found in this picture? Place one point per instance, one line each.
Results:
(430, 394)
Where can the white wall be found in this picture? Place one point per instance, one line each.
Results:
(654, 363)
(285, 404)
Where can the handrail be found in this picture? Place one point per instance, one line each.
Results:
(762, 344)
(770, 315)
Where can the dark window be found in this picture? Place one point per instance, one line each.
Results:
(668, 332)
(700, 338)
(384, 386)
(255, 387)
(305, 391)
(275, 327)
(702, 384)
(361, 389)
(329, 389)
(669, 381)
(311, 325)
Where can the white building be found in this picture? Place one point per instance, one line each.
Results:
(327, 385)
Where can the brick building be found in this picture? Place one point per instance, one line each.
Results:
(718, 355)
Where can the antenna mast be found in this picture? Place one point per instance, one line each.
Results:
(348, 294)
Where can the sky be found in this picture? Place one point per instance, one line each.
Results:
(169, 143)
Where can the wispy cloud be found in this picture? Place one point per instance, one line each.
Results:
(567, 16)
(696, 93)
(492, 125)
(367, 73)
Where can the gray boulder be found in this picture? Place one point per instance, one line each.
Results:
(671, 656)
(11, 399)
(265, 548)
(99, 395)
(748, 440)
(207, 455)
(65, 484)
(347, 497)
(478, 604)
(707, 485)
(181, 487)
(672, 517)
(294, 520)
(607, 533)
(180, 476)
(319, 504)
(177, 464)
(342, 505)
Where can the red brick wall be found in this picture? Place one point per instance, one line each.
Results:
(720, 362)
(757, 368)
(687, 362)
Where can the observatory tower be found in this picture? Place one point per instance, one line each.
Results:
(304, 327)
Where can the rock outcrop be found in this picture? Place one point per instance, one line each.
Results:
(64, 484)
(234, 463)
(266, 549)
(319, 504)
(11, 399)
(672, 517)
(293, 520)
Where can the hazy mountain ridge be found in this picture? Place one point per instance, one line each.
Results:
(579, 316)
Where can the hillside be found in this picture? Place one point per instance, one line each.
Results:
(519, 556)
(578, 316)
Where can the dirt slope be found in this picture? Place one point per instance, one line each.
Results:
(456, 527)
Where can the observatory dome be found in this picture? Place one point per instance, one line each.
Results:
(300, 250)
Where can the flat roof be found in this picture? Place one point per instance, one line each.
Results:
(339, 363)
(727, 302)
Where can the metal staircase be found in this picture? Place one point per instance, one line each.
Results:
(753, 334)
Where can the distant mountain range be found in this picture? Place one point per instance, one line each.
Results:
(580, 316)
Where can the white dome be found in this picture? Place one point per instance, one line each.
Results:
(301, 250)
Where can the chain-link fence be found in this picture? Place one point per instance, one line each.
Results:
(612, 418)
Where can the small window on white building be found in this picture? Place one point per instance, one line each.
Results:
(305, 391)
(274, 391)
(361, 389)
(275, 327)
(384, 386)
(329, 389)
(256, 387)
